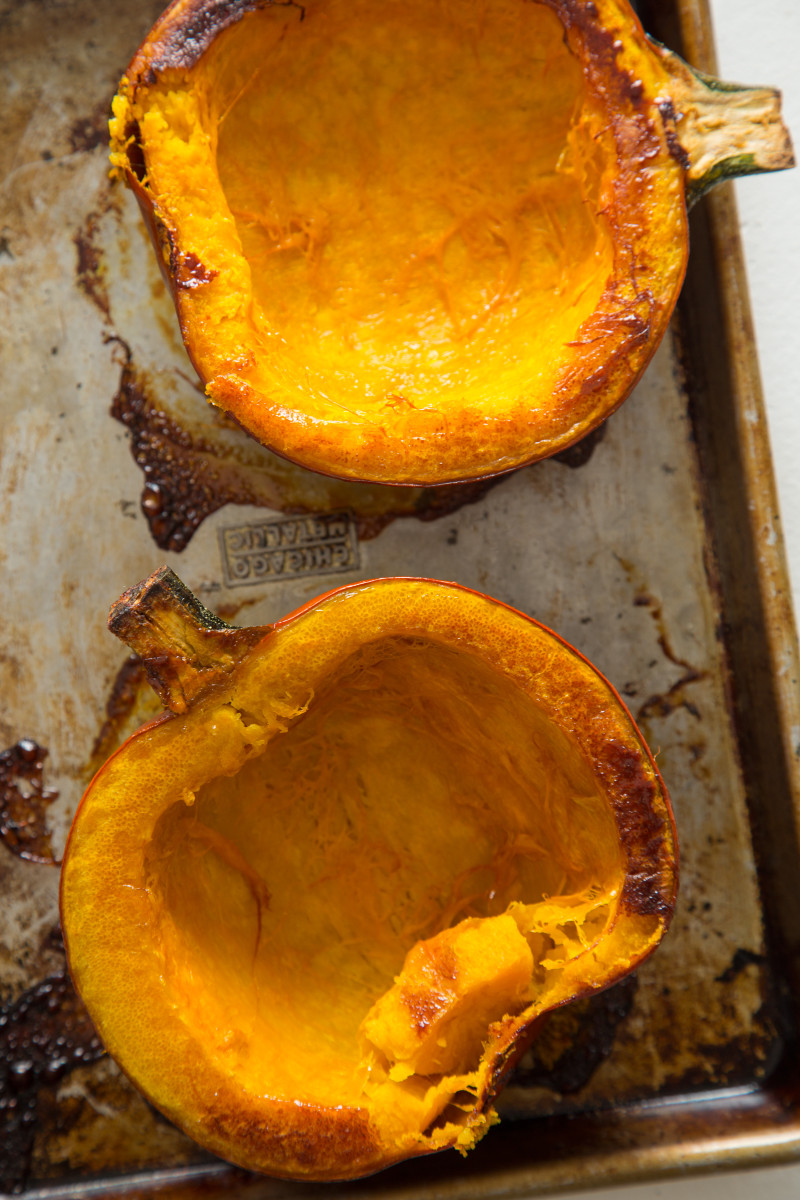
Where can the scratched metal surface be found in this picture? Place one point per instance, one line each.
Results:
(111, 463)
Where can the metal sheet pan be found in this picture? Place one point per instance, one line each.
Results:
(655, 548)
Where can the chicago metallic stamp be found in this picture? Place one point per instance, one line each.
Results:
(287, 547)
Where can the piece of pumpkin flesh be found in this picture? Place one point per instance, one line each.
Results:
(345, 914)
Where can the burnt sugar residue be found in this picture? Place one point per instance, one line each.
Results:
(575, 1040)
(185, 481)
(44, 1035)
(24, 800)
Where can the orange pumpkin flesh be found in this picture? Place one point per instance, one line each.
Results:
(419, 243)
(316, 916)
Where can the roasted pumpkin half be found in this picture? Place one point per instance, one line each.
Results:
(415, 242)
(317, 911)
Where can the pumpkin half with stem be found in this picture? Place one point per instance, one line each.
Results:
(415, 242)
(317, 910)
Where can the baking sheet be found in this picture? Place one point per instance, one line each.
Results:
(634, 548)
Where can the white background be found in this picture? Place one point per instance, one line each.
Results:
(760, 44)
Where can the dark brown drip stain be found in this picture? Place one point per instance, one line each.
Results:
(575, 1040)
(44, 1035)
(90, 264)
(185, 482)
(661, 704)
(24, 800)
(88, 133)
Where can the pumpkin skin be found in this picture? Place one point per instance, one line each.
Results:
(419, 244)
(318, 910)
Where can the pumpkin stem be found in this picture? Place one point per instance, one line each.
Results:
(725, 129)
(185, 648)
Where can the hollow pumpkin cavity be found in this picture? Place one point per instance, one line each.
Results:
(412, 860)
(415, 190)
